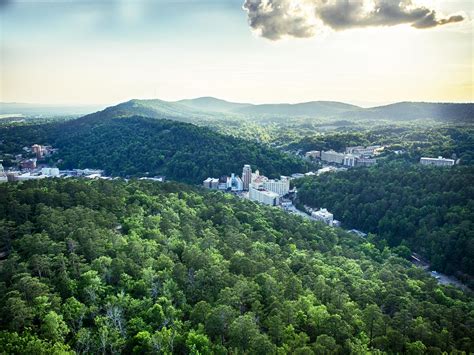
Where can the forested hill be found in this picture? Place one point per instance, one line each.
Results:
(406, 111)
(136, 146)
(215, 112)
(140, 267)
(429, 209)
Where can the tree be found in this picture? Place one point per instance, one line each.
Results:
(53, 327)
(416, 348)
(242, 332)
(373, 319)
(198, 343)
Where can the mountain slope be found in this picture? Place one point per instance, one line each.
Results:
(425, 208)
(157, 109)
(313, 108)
(212, 111)
(212, 104)
(451, 112)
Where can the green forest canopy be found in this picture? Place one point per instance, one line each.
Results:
(141, 267)
(137, 146)
(428, 209)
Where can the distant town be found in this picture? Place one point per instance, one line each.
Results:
(276, 192)
(251, 184)
(32, 164)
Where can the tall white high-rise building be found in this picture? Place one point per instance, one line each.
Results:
(246, 176)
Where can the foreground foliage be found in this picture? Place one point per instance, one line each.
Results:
(428, 209)
(139, 267)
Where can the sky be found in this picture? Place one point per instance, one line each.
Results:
(366, 52)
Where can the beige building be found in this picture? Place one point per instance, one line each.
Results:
(440, 161)
(332, 156)
(263, 196)
(211, 183)
(313, 154)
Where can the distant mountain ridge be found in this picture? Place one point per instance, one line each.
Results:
(212, 104)
(209, 109)
(324, 108)
(420, 110)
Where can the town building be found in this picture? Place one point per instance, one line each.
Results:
(323, 215)
(39, 150)
(331, 156)
(28, 163)
(281, 187)
(440, 161)
(154, 178)
(50, 172)
(235, 183)
(85, 172)
(42, 150)
(246, 177)
(257, 180)
(17, 176)
(366, 162)
(365, 151)
(358, 233)
(350, 160)
(313, 154)
(297, 176)
(263, 196)
(211, 183)
(3, 176)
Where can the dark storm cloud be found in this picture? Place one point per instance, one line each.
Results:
(274, 19)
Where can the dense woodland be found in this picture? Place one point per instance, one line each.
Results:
(415, 140)
(428, 209)
(138, 146)
(140, 267)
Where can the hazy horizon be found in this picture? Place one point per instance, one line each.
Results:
(104, 105)
(107, 52)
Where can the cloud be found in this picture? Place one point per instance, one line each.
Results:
(274, 19)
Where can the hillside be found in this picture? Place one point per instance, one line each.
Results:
(428, 209)
(403, 111)
(214, 112)
(314, 108)
(157, 109)
(139, 267)
(138, 146)
(212, 104)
